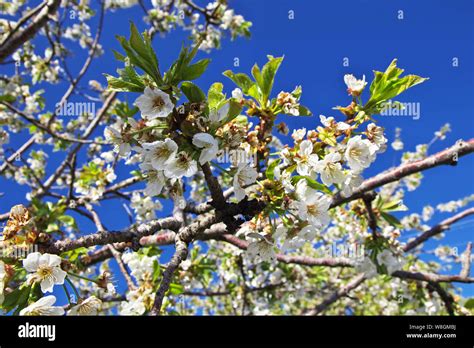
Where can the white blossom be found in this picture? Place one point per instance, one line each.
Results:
(261, 247)
(217, 115)
(209, 146)
(154, 103)
(330, 169)
(358, 154)
(367, 267)
(45, 269)
(354, 86)
(237, 94)
(181, 165)
(113, 135)
(245, 175)
(44, 306)
(89, 306)
(160, 153)
(313, 206)
(305, 158)
(389, 260)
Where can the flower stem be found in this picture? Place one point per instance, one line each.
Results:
(73, 288)
(83, 278)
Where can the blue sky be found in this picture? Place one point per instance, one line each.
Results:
(314, 44)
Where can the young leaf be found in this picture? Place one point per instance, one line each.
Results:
(193, 71)
(270, 172)
(215, 95)
(388, 85)
(192, 92)
(312, 183)
(242, 80)
(269, 71)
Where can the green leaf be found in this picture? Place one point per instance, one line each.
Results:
(215, 95)
(141, 53)
(128, 80)
(67, 220)
(17, 298)
(392, 220)
(388, 85)
(312, 183)
(156, 271)
(327, 136)
(234, 111)
(395, 205)
(119, 85)
(176, 289)
(304, 111)
(269, 71)
(119, 56)
(469, 304)
(270, 172)
(193, 92)
(257, 75)
(7, 98)
(243, 81)
(193, 71)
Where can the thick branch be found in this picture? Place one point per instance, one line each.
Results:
(19, 38)
(449, 156)
(442, 226)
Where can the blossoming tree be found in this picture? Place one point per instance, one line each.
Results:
(253, 222)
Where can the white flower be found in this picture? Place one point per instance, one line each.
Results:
(431, 307)
(298, 134)
(244, 176)
(313, 206)
(288, 103)
(181, 165)
(305, 158)
(90, 306)
(137, 302)
(375, 133)
(141, 267)
(209, 146)
(285, 179)
(358, 153)
(397, 145)
(261, 248)
(3, 276)
(237, 94)
(185, 265)
(46, 270)
(114, 136)
(351, 182)
(160, 153)
(387, 259)
(4, 137)
(132, 308)
(354, 86)
(44, 306)
(154, 103)
(367, 267)
(217, 115)
(308, 233)
(111, 289)
(330, 169)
